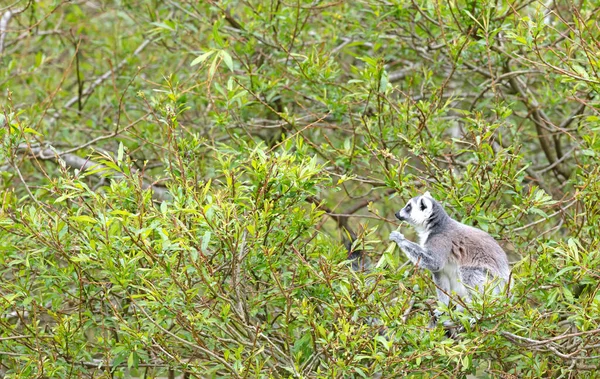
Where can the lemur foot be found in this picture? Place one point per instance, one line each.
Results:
(437, 313)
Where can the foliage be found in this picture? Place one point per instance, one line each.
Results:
(183, 183)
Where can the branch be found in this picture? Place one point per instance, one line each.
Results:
(194, 346)
(4, 27)
(541, 122)
(565, 124)
(83, 164)
(90, 89)
(553, 339)
(5, 19)
(551, 345)
(348, 234)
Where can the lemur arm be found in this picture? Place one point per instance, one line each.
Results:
(418, 255)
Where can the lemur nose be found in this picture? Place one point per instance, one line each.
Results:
(397, 214)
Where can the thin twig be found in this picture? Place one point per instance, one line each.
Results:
(188, 343)
(83, 164)
(90, 89)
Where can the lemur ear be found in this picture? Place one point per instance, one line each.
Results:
(424, 202)
(427, 194)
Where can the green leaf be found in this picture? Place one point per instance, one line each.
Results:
(130, 360)
(120, 153)
(206, 240)
(383, 81)
(32, 131)
(202, 58)
(227, 59)
(84, 218)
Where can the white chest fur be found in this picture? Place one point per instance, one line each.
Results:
(423, 234)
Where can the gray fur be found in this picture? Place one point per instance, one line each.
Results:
(461, 258)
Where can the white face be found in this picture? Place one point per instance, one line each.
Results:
(417, 211)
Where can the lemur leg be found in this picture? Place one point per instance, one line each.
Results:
(442, 287)
(418, 255)
(474, 278)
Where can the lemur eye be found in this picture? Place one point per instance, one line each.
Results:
(408, 208)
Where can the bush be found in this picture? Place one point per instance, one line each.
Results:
(184, 183)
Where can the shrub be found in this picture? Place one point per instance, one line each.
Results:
(184, 183)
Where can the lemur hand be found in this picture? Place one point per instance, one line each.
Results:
(396, 237)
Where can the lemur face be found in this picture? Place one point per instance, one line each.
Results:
(417, 211)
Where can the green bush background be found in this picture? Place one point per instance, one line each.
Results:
(178, 179)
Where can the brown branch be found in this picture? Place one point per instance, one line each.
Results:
(553, 339)
(542, 124)
(231, 20)
(341, 221)
(342, 218)
(578, 112)
(194, 346)
(5, 20)
(348, 234)
(83, 164)
(90, 89)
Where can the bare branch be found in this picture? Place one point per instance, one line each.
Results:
(76, 162)
(90, 89)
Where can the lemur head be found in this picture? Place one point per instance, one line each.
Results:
(418, 210)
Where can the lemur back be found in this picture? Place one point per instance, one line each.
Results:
(460, 258)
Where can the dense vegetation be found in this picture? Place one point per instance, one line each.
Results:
(182, 183)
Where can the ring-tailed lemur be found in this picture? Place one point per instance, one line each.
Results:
(460, 257)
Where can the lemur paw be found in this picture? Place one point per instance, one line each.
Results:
(437, 313)
(396, 237)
